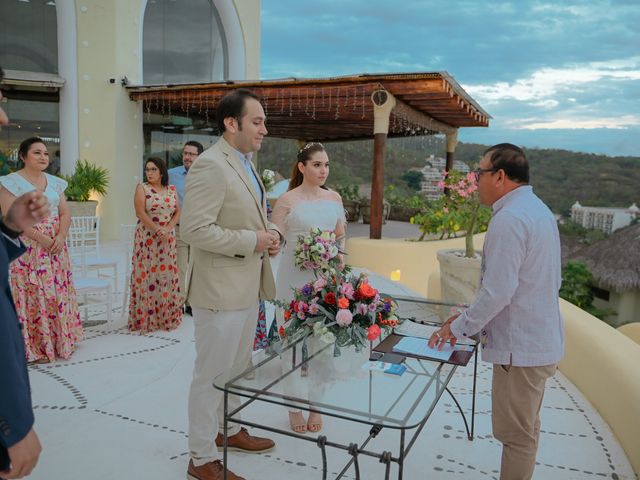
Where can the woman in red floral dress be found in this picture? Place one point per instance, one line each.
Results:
(155, 291)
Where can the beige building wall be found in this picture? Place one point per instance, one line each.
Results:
(109, 46)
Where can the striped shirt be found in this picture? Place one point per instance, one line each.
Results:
(516, 310)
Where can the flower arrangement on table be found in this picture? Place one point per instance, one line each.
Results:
(337, 306)
(460, 210)
(268, 178)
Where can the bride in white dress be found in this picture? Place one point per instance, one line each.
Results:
(307, 204)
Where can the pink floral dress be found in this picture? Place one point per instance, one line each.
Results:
(42, 283)
(155, 291)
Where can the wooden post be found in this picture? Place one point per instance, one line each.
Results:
(383, 103)
(377, 185)
(452, 143)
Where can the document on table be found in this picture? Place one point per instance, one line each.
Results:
(418, 346)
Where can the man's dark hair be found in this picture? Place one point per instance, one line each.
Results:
(233, 105)
(511, 159)
(193, 143)
(162, 166)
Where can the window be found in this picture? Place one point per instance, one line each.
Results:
(183, 42)
(600, 293)
(29, 36)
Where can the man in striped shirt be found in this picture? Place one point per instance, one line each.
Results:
(516, 312)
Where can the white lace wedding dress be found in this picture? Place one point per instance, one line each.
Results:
(296, 216)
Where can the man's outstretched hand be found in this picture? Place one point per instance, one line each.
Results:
(26, 211)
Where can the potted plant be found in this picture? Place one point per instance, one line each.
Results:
(86, 179)
(365, 210)
(403, 207)
(453, 214)
(350, 194)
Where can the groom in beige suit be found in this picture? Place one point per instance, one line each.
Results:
(224, 221)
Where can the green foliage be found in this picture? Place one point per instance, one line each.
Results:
(457, 211)
(588, 236)
(559, 177)
(348, 191)
(576, 288)
(413, 179)
(86, 178)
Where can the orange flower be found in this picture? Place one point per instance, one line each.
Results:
(367, 291)
(343, 302)
(282, 332)
(287, 315)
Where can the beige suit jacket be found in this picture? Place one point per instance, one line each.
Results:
(220, 215)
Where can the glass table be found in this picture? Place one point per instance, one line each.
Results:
(339, 387)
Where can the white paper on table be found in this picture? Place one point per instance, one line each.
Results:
(419, 346)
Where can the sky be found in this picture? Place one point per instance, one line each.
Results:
(562, 74)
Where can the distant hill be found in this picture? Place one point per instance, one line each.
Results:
(560, 177)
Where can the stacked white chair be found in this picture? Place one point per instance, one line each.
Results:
(90, 290)
(93, 260)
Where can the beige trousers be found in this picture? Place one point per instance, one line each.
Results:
(224, 341)
(183, 263)
(516, 397)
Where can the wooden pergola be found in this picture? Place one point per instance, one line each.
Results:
(353, 107)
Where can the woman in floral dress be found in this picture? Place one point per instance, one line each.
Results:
(155, 291)
(41, 279)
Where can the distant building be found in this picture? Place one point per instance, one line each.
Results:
(432, 173)
(603, 218)
(615, 265)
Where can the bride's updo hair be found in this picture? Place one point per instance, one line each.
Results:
(304, 154)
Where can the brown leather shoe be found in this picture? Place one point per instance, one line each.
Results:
(209, 471)
(243, 442)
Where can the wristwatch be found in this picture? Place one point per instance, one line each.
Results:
(8, 231)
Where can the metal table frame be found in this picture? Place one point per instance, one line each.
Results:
(386, 457)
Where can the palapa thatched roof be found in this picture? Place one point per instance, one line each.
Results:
(615, 261)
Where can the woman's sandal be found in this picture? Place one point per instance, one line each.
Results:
(297, 423)
(315, 422)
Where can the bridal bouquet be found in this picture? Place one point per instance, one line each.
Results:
(317, 251)
(340, 308)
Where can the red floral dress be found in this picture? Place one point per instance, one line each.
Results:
(42, 283)
(155, 291)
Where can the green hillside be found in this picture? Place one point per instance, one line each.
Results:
(560, 177)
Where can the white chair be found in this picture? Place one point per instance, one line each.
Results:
(93, 261)
(127, 233)
(90, 291)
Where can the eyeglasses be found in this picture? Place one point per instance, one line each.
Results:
(189, 154)
(479, 171)
(152, 169)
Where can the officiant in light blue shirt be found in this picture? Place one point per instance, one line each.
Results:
(177, 177)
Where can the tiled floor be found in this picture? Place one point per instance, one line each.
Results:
(118, 410)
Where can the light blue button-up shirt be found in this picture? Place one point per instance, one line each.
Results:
(177, 177)
(246, 161)
(516, 310)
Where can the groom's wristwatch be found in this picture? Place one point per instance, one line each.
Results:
(9, 232)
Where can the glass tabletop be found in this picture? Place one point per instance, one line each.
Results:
(313, 375)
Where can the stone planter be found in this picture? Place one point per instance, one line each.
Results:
(459, 276)
(365, 210)
(352, 208)
(83, 209)
(402, 214)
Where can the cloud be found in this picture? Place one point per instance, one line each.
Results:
(549, 82)
(620, 123)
